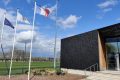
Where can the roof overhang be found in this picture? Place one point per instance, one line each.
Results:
(110, 31)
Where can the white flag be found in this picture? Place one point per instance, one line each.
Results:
(22, 18)
(42, 11)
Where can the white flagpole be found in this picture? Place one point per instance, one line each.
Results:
(55, 36)
(13, 47)
(31, 42)
(1, 37)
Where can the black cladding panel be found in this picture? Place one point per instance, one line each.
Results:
(80, 51)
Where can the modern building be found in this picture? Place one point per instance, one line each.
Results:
(101, 46)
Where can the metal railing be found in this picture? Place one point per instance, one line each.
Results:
(91, 69)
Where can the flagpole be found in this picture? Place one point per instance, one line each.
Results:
(56, 29)
(31, 41)
(1, 37)
(13, 47)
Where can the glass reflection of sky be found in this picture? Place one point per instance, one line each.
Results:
(114, 42)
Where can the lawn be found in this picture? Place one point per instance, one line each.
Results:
(22, 67)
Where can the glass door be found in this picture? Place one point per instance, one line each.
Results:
(113, 53)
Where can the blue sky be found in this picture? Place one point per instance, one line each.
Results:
(74, 16)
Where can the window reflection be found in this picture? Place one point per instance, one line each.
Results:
(112, 48)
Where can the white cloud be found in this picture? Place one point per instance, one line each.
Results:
(45, 44)
(25, 36)
(105, 7)
(41, 44)
(24, 27)
(108, 3)
(69, 22)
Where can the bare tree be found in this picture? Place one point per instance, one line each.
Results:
(18, 54)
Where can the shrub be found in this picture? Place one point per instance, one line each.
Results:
(60, 72)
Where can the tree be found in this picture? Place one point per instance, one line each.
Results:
(18, 54)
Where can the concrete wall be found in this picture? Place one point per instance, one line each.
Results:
(80, 51)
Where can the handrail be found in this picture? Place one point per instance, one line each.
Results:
(94, 66)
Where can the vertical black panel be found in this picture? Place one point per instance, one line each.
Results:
(80, 51)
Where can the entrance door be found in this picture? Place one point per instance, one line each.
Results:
(113, 53)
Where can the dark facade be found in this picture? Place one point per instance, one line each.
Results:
(83, 50)
(80, 51)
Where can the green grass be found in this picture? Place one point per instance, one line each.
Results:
(21, 67)
(25, 64)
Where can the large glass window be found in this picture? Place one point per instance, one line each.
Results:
(113, 51)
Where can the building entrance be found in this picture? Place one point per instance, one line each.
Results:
(113, 53)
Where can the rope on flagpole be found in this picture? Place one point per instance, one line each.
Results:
(56, 29)
(31, 42)
(13, 47)
(1, 37)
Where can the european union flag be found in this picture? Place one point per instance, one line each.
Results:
(8, 23)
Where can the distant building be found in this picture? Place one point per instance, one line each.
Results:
(101, 46)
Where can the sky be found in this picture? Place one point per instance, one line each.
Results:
(73, 17)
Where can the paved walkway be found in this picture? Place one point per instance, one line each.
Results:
(104, 75)
(100, 75)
